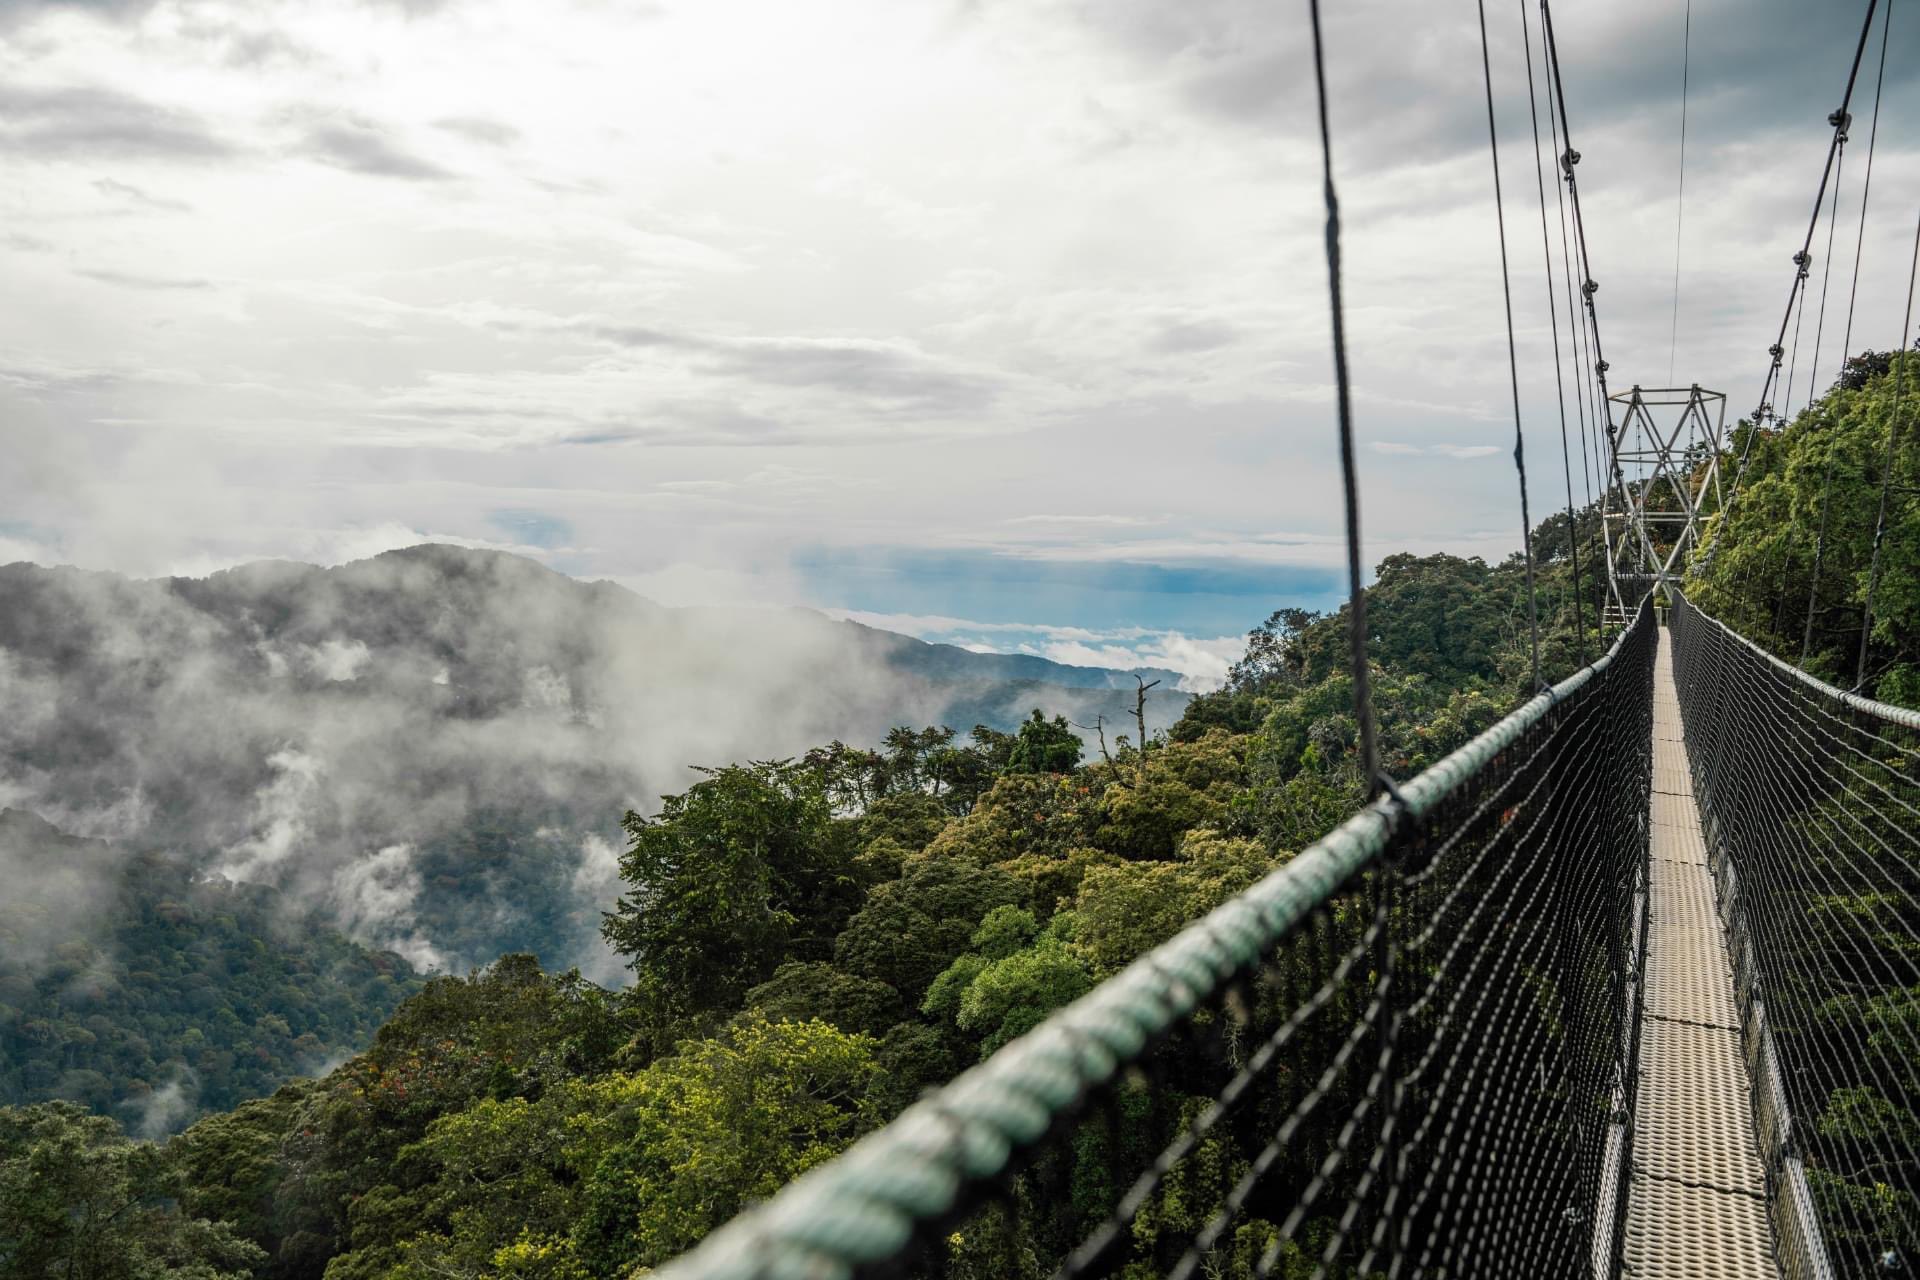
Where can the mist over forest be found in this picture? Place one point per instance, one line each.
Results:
(432, 749)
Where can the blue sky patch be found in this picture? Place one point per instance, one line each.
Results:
(532, 528)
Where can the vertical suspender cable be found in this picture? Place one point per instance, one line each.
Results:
(1826, 276)
(1886, 467)
(1553, 319)
(1785, 413)
(1680, 200)
(1513, 359)
(1819, 554)
(1357, 607)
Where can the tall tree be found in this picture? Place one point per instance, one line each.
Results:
(1044, 746)
(743, 871)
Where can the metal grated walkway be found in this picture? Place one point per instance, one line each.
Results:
(1697, 1203)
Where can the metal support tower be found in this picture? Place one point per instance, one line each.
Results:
(1663, 459)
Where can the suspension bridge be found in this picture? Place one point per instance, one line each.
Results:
(1628, 985)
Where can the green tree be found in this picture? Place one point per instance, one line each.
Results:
(685, 1143)
(232, 1171)
(1811, 491)
(913, 927)
(1013, 978)
(1044, 746)
(800, 990)
(500, 1183)
(1125, 910)
(79, 1201)
(355, 1188)
(743, 871)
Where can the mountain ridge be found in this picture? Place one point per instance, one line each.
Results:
(433, 747)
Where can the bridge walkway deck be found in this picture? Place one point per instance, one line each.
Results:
(1697, 1204)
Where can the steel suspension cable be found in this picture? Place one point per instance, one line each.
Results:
(1866, 189)
(1587, 324)
(1576, 326)
(1826, 276)
(1568, 160)
(1793, 359)
(1846, 340)
(1886, 467)
(1356, 586)
(1838, 119)
(1680, 200)
(1513, 359)
(1553, 321)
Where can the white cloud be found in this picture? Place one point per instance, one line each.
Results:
(338, 660)
(373, 901)
(1202, 661)
(280, 818)
(1040, 277)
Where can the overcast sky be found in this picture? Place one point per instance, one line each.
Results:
(1001, 321)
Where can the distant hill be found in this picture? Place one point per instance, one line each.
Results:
(431, 749)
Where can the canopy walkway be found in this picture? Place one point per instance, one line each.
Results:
(1629, 985)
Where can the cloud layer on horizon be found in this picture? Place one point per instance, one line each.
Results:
(722, 290)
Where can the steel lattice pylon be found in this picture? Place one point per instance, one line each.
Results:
(1663, 455)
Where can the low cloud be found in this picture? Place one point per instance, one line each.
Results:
(1188, 337)
(56, 886)
(492, 133)
(1094, 521)
(165, 1109)
(71, 122)
(1398, 448)
(129, 194)
(281, 817)
(430, 750)
(868, 368)
(1200, 662)
(360, 147)
(133, 280)
(375, 899)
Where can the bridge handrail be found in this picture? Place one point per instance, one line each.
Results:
(866, 1205)
(1906, 717)
(1812, 824)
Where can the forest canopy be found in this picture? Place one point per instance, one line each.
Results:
(814, 941)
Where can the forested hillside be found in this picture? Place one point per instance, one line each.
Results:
(812, 941)
(1790, 563)
(277, 793)
(149, 996)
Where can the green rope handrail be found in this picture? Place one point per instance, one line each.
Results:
(864, 1206)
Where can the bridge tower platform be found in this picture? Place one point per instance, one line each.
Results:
(1663, 462)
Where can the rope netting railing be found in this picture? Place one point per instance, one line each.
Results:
(1811, 800)
(1406, 1052)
